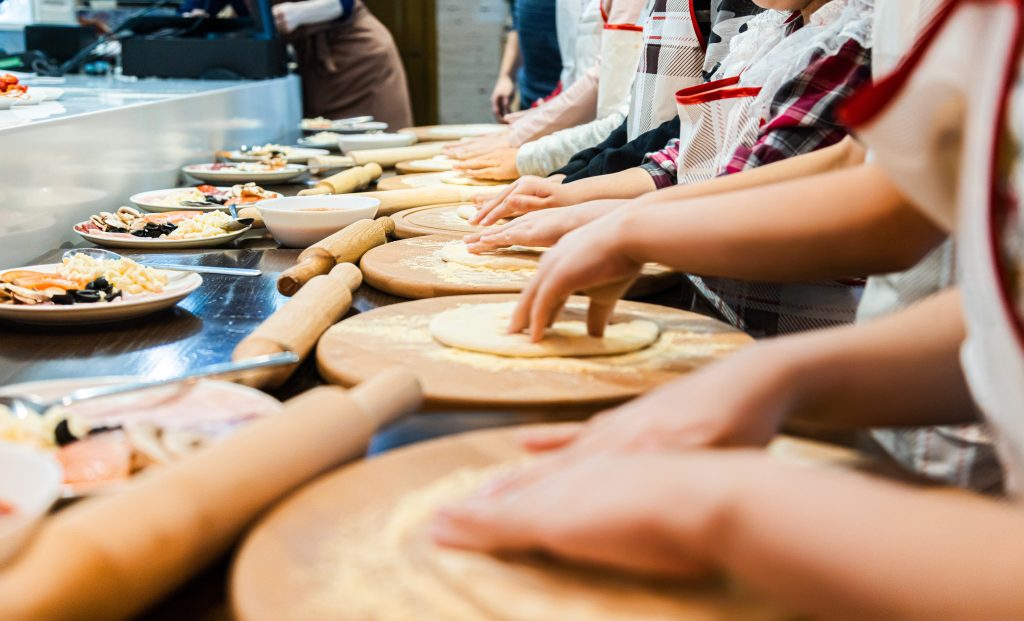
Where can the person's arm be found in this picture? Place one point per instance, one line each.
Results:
(821, 541)
(579, 161)
(629, 155)
(574, 106)
(289, 16)
(505, 87)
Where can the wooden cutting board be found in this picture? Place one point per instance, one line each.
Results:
(315, 557)
(432, 220)
(422, 180)
(362, 345)
(411, 268)
(424, 166)
(433, 133)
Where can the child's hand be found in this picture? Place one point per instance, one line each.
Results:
(498, 165)
(539, 228)
(525, 195)
(591, 259)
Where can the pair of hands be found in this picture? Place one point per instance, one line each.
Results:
(632, 488)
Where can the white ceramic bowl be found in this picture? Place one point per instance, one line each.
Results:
(358, 142)
(301, 221)
(30, 481)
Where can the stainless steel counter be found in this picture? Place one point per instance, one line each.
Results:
(108, 138)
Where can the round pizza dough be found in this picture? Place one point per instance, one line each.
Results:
(512, 258)
(457, 178)
(467, 211)
(439, 163)
(484, 328)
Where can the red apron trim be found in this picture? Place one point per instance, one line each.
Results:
(696, 28)
(715, 91)
(607, 26)
(996, 204)
(867, 103)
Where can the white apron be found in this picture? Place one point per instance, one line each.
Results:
(715, 119)
(621, 47)
(672, 59)
(916, 121)
(991, 236)
(579, 37)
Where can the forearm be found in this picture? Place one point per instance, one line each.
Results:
(841, 545)
(850, 222)
(510, 57)
(318, 11)
(899, 370)
(629, 183)
(841, 155)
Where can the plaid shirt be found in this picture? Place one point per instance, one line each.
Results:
(803, 116)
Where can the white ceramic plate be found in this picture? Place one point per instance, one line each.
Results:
(261, 403)
(331, 143)
(361, 128)
(150, 201)
(7, 102)
(180, 285)
(124, 240)
(297, 155)
(203, 173)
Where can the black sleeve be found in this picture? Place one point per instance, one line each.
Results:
(615, 154)
(579, 161)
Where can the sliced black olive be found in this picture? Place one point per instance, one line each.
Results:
(99, 284)
(86, 297)
(114, 294)
(63, 298)
(115, 229)
(62, 434)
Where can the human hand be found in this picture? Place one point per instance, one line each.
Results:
(481, 145)
(739, 401)
(539, 228)
(525, 195)
(501, 97)
(512, 117)
(591, 259)
(498, 165)
(652, 513)
(196, 13)
(286, 16)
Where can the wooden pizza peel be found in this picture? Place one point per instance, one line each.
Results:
(424, 180)
(412, 268)
(289, 567)
(399, 334)
(433, 220)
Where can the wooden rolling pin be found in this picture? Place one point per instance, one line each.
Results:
(393, 201)
(111, 557)
(346, 246)
(351, 180)
(386, 158)
(299, 324)
(254, 213)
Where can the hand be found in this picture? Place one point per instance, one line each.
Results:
(501, 97)
(498, 165)
(653, 513)
(512, 117)
(591, 259)
(539, 228)
(286, 17)
(475, 147)
(740, 401)
(525, 195)
(196, 13)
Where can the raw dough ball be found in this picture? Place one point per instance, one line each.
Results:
(467, 211)
(483, 328)
(513, 258)
(428, 180)
(458, 178)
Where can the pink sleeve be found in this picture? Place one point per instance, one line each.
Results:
(625, 11)
(576, 105)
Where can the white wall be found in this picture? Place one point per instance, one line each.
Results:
(470, 35)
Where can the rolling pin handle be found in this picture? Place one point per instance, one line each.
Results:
(388, 395)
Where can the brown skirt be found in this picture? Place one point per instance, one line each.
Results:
(353, 69)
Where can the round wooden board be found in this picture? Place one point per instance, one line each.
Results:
(411, 268)
(432, 220)
(363, 345)
(440, 133)
(288, 567)
(423, 166)
(422, 180)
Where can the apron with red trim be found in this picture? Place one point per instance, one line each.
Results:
(621, 47)
(672, 59)
(920, 122)
(716, 118)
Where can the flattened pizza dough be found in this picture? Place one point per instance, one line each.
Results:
(438, 163)
(512, 258)
(483, 328)
(458, 178)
